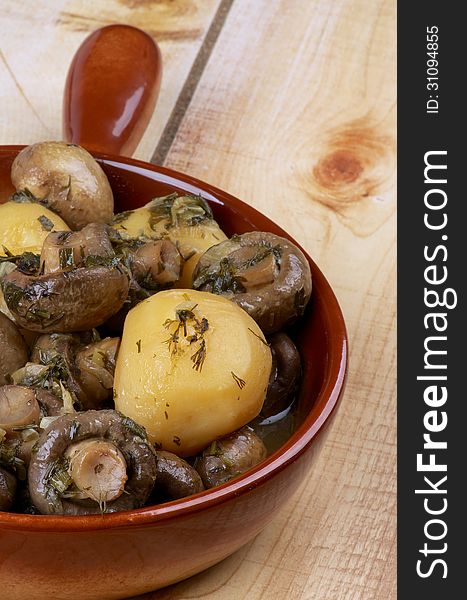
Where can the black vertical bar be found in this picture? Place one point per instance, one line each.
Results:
(432, 268)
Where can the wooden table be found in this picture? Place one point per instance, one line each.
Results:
(289, 105)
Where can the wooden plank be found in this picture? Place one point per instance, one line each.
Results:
(295, 113)
(37, 46)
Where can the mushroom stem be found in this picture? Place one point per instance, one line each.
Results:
(18, 407)
(157, 264)
(258, 273)
(98, 469)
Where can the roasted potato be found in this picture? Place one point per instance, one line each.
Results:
(192, 367)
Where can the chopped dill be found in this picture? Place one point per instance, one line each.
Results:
(199, 356)
(213, 448)
(13, 294)
(240, 382)
(177, 440)
(9, 458)
(186, 317)
(38, 314)
(57, 476)
(134, 428)
(166, 415)
(63, 236)
(45, 222)
(66, 258)
(120, 217)
(138, 344)
(23, 196)
(28, 263)
(95, 260)
(220, 278)
(259, 337)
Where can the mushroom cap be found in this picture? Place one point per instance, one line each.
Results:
(265, 274)
(67, 179)
(176, 478)
(107, 425)
(230, 456)
(285, 374)
(64, 302)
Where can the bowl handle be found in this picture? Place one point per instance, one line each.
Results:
(111, 90)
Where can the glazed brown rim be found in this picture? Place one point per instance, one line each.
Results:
(295, 446)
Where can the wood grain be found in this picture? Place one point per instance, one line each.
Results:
(294, 113)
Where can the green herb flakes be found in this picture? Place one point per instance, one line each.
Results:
(46, 223)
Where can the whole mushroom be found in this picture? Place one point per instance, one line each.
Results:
(95, 364)
(65, 178)
(21, 411)
(176, 478)
(75, 289)
(18, 407)
(285, 374)
(91, 462)
(230, 456)
(265, 274)
(67, 361)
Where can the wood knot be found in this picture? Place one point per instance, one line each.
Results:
(337, 168)
(353, 162)
(352, 173)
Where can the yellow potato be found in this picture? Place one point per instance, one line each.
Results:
(192, 240)
(192, 243)
(24, 226)
(133, 224)
(190, 385)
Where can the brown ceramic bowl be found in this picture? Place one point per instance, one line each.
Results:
(124, 554)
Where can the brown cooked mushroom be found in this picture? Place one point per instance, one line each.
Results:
(21, 411)
(18, 407)
(85, 370)
(265, 274)
(53, 367)
(285, 374)
(153, 265)
(157, 265)
(65, 178)
(7, 489)
(96, 366)
(175, 477)
(13, 348)
(230, 456)
(65, 301)
(91, 462)
(66, 250)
